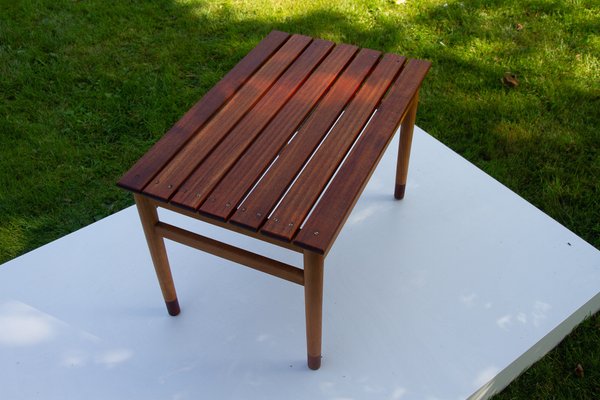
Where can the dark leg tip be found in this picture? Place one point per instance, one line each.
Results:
(399, 192)
(314, 363)
(173, 307)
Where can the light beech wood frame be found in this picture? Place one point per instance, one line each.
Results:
(406, 134)
(311, 277)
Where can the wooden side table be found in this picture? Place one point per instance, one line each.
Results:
(280, 150)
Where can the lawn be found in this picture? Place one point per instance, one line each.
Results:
(87, 86)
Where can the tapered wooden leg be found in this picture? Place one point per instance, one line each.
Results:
(406, 134)
(158, 252)
(313, 297)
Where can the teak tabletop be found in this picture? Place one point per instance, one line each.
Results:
(280, 149)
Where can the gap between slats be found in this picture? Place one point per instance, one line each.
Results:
(293, 209)
(348, 152)
(336, 172)
(256, 100)
(238, 204)
(138, 176)
(262, 206)
(274, 160)
(331, 212)
(241, 205)
(279, 111)
(306, 163)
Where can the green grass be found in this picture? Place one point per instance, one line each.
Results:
(87, 86)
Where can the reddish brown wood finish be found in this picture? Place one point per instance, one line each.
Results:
(193, 153)
(233, 187)
(326, 92)
(273, 185)
(198, 186)
(297, 203)
(331, 212)
(155, 159)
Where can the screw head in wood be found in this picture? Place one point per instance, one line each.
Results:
(316, 233)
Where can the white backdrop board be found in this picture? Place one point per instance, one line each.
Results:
(447, 294)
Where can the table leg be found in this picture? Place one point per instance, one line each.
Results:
(313, 297)
(158, 252)
(406, 134)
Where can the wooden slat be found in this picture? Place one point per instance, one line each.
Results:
(299, 200)
(329, 215)
(198, 186)
(239, 180)
(223, 145)
(226, 225)
(145, 169)
(275, 182)
(231, 253)
(201, 144)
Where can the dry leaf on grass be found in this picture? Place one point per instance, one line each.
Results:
(510, 80)
(579, 370)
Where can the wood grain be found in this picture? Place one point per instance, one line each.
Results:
(404, 145)
(225, 198)
(200, 183)
(158, 252)
(299, 200)
(329, 215)
(313, 301)
(157, 157)
(168, 180)
(226, 225)
(231, 253)
(275, 182)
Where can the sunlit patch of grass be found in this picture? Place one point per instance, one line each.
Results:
(12, 237)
